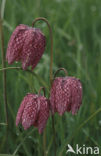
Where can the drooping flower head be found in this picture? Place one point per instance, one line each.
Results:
(66, 95)
(34, 110)
(27, 45)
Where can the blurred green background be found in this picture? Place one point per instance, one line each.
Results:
(76, 26)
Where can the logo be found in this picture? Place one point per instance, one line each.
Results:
(82, 150)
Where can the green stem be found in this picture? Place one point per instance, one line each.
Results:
(4, 72)
(2, 69)
(29, 71)
(51, 71)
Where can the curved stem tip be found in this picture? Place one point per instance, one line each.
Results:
(42, 88)
(63, 69)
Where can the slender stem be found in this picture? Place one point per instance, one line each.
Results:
(44, 133)
(42, 88)
(2, 69)
(2, 8)
(37, 76)
(51, 39)
(51, 69)
(4, 72)
(65, 71)
(44, 142)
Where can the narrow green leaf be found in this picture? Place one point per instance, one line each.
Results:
(8, 155)
(3, 124)
(64, 34)
(3, 8)
(6, 24)
(23, 141)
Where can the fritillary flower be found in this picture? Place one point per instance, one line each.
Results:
(34, 110)
(66, 95)
(27, 45)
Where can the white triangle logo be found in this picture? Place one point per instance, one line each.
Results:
(70, 149)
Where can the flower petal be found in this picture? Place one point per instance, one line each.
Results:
(30, 112)
(43, 114)
(33, 48)
(15, 44)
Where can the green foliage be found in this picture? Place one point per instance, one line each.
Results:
(76, 29)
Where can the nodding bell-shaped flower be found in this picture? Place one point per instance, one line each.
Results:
(34, 110)
(66, 95)
(27, 45)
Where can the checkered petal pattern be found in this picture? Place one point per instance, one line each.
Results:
(27, 45)
(34, 110)
(43, 114)
(66, 95)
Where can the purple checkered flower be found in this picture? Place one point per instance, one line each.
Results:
(34, 110)
(27, 45)
(66, 95)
